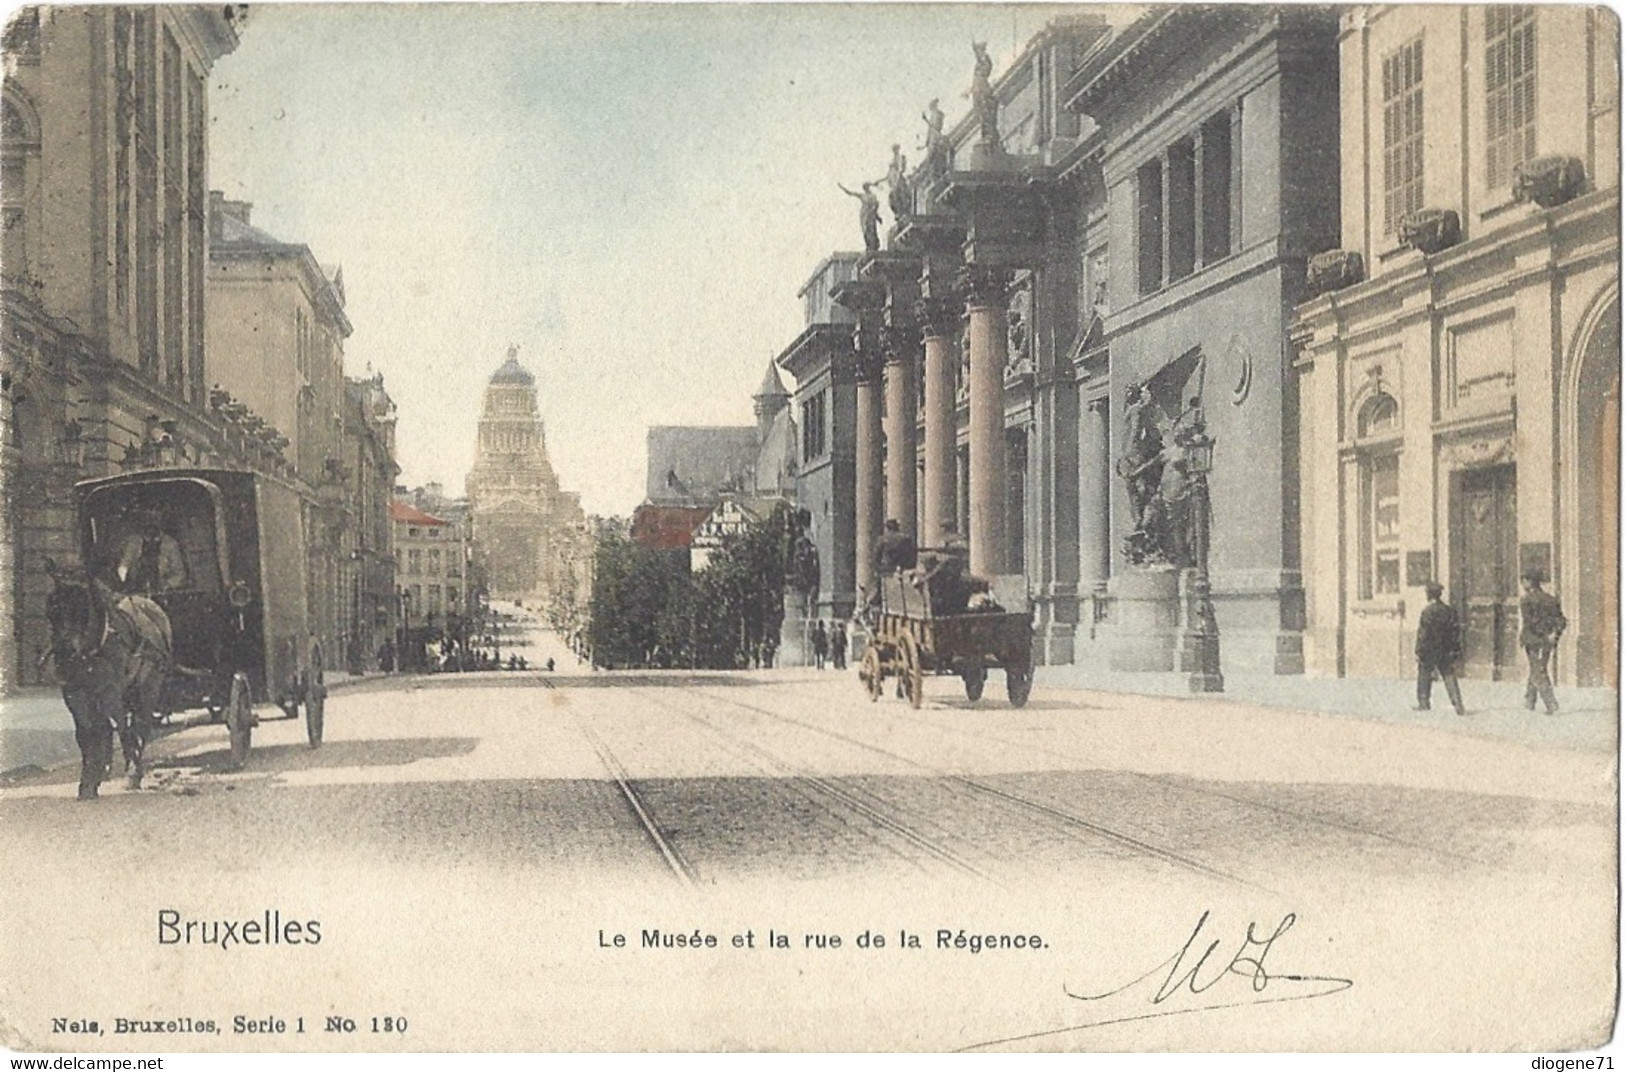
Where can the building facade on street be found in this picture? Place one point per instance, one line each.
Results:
(1216, 145)
(820, 360)
(105, 134)
(1459, 376)
(369, 436)
(433, 557)
(532, 538)
(276, 334)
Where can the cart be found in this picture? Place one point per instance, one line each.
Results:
(234, 590)
(908, 642)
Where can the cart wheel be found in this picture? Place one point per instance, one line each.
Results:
(1018, 684)
(975, 677)
(909, 669)
(869, 671)
(240, 719)
(315, 696)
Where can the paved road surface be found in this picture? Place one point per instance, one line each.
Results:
(457, 833)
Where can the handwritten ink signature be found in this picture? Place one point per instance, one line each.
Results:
(1200, 979)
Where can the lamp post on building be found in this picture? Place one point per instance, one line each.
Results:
(1202, 634)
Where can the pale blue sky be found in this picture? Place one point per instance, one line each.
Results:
(632, 194)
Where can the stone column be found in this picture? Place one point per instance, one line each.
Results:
(1094, 494)
(869, 490)
(940, 320)
(900, 424)
(988, 292)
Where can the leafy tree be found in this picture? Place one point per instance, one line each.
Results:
(647, 610)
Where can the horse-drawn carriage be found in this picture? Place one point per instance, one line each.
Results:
(221, 554)
(909, 641)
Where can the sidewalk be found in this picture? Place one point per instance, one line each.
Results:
(1587, 722)
(36, 729)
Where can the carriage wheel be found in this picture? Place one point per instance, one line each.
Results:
(1018, 684)
(869, 671)
(315, 696)
(240, 719)
(975, 678)
(910, 670)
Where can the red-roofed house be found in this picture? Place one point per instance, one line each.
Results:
(431, 566)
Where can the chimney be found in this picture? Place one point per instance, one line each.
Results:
(219, 208)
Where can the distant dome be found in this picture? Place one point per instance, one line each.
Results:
(513, 372)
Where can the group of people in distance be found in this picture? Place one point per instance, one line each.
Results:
(829, 645)
(1438, 644)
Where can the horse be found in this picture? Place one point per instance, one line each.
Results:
(112, 654)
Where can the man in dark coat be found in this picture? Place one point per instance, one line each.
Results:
(894, 550)
(1438, 649)
(1542, 623)
(837, 645)
(820, 643)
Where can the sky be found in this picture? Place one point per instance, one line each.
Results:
(633, 195)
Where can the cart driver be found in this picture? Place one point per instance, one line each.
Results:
(150, 559)
(947, 577)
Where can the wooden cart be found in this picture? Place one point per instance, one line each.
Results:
(909, 642)
(235, 596)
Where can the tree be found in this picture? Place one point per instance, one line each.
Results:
(648, 611)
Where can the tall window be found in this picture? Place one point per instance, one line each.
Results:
(814, 419)
(1184, 201)
(18, 160)
(1401, 134)
(124, 155)
(1378, 430)
(1509, 84)
(174, 216)
(147, 151)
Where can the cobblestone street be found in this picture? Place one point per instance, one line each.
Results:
(550, 807)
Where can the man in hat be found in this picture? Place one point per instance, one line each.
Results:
(1438, 649)
(894, 550)
(1542, 623)
(150, 559)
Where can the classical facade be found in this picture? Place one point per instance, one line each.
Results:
(276, 334)
(825, 402)
(1076, 329)
(532, 538)
(1459, 374)
(1216, 145)
(105, 147)
(370, 470)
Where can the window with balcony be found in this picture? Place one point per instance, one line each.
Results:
(1509, 85)
(1401, 134)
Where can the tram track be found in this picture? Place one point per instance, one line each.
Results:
(1024, 804)
(830, 797)
(1171, 782)
(680, 867)
(781, 769)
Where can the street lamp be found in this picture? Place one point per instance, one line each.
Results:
(1202, 634)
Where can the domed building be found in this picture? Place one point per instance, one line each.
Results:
(529, 534)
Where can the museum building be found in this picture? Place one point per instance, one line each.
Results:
(1459, 373)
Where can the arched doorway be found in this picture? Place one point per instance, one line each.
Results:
(1594, 586)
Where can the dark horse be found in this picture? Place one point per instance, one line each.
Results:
(112, 653)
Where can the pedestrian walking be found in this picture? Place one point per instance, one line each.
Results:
(1542, 623)
(1438, 649)
(837, 645)
(820, 643)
